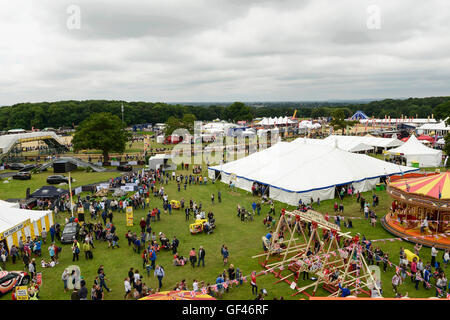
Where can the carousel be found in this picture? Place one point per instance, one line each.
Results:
(420, 210)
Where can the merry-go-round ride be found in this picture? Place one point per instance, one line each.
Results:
(420, 210)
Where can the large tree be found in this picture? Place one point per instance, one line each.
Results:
(102, 131)
(339, 121)
(173, 123)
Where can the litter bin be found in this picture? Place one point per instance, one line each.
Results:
(378, 187)
(414, 164)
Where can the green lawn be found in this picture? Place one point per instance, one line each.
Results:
(242, 238)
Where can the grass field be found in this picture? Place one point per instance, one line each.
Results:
(242, 238)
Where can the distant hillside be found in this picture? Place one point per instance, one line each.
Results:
(67, 113)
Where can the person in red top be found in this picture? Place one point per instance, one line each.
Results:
(326, 216)
(253, 283)
(193, 257)
(142, 224)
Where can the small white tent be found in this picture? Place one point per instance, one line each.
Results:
(294, 171)
(415, 151)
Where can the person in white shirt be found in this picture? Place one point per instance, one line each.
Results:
(195, 286)
(434, 253)
(137, 276)
(446, 257)
(127, 287)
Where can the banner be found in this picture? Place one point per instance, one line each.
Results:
(129, 215)
(132, 163)
(22, 293)
(115, 163)
(78, 190)
(128, 188)
(102, 186)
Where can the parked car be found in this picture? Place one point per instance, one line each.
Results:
(16, 166)
(70, 232)
(125, 167)
(10, 279)
(58, 179)
(22, 175)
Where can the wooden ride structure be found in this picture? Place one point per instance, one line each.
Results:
(295, 249)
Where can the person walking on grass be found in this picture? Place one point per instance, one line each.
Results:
(102, 278)
(253, 283)
(65, 278)
(396, 282)
(225, 254)
(127, 285)
(434, 253)
(193, 257)
(201, 256)
(445, 258)
(159, 273)
(75, 250)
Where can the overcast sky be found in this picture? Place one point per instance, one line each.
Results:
(223, 50)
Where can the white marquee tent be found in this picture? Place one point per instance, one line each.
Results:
(415, 151)
(376, 142)
(294, 171)
(346, 145)
(440, 128)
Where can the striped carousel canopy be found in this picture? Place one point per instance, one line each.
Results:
(435, 186)
(178, 295)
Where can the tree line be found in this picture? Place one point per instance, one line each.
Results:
(71, 113)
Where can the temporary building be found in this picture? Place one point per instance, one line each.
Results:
(376, 142)
(440, 128)
(16, 223)
(294, 171)
(414, 151)
(49, 192)
(347, 145)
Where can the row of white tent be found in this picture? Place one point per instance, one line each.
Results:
(413, 150)
(307, 124)
(16, 223)
(301, 170)
(440, 128)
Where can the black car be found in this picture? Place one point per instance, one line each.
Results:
(125, 167)
(70, 232)
(16, 166)
(58, 179)
(22, 175)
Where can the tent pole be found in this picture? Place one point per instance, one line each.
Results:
(70, 192)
